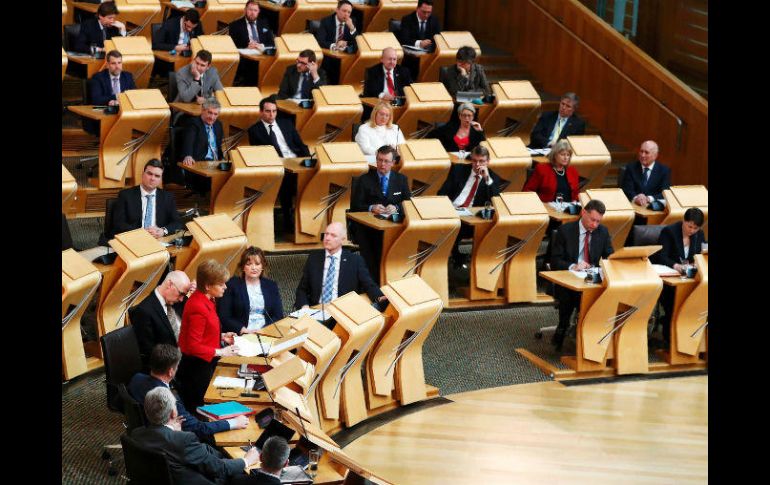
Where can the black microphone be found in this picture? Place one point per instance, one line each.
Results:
(273, 322)
(310, 162)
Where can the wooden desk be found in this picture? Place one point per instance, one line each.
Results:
(301, 115)
(346, 60)
(92, 65)
(390, 231)
(651, 217)
(137, 15)
(388, 9)
(178, 61)
(372, 102)
(240, 437)
(264, 63)
(215, 395)
(209, 170)
(327, 475)
(562, 217)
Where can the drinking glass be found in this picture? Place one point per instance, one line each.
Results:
(312, 468)
(560, 202)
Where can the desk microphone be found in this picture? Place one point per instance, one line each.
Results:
(310, 162)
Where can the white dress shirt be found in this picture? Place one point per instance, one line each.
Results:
(285, 150)
(370, 139)
(467, 189)
(144, 204)
(337, 29)
(337, 258)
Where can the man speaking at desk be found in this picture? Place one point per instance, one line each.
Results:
(578, 246)
(334, 272)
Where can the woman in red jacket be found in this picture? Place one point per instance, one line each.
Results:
(200, 336)
(557, 177)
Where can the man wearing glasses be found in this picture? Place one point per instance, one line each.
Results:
(300, 79)
(156, 320)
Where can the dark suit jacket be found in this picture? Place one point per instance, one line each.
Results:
(660, 180)
(374, 80)
(353, 276)
(256, 477)
(195, 142)
(151, 325)
(368, 191)
(446, 134)
(542, 130)
(291, 80)
(191, 462)
(327, 32)
(91, 33)
(141, 384)
(673, 245)
(167, 37)
(565, 248)
(456, 179)
(410, 29)
(453, 81)
(233, 307)
(127, 211)
(258, 136)
(100, 86)
(239, 32)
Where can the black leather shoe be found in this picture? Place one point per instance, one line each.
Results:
(558, 339)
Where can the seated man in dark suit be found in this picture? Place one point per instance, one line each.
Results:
(334, 272)
(250, 32)
(105, 86)
(146, 206)
(175, 32)
(681, 241)
(164, 361)
(338, 33)
(385, 80)
(470, 185)
(300, 79)
(646, 179)
(418, 29)
(281, 134)
(94, 31)
(202, 140)
(578, 245)
(190, 461)
(556, 125)
(156, 320)
(465, 75)
(273, 457)
(380, 192)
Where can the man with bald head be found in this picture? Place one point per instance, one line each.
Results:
(646, 179)
(333, 272)
(156, 320)
(385, 80)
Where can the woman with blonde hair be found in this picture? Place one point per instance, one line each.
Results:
(379, 130)
(557, 177)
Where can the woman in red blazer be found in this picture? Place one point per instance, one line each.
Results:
(200, 336)
(556, 177)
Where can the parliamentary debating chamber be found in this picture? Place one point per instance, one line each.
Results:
(406, 241)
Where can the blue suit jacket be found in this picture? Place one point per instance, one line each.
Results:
(233, 307)
(141, 384)
(100, 86)
(91, 33)
(660, 180)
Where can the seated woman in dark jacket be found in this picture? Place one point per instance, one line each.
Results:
(681, 241)
(250, 301)
(462, 135)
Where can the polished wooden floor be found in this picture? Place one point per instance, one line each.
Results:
(651, 431)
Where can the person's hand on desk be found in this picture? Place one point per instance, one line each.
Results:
(340, 45)
(155, 232)
(251, 457)
(253, 44)
(238, 422)
(188, 161)
(390, 209)
(426, 43)
(229, 351)
(181, 48)
(112, 102)
(641, 200)
(378, 209)
(581, 266)
(382, 299)
(228, 337)
(387, 96)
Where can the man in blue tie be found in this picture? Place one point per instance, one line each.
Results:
(202, 141)
(380, 192)
(645, 179)
(333, 272)
(146, 206)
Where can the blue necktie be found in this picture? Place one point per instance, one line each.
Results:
(646, 177)
(211, 153)
(185, 37)
(148, 212)
(326, 297)
(384, 185)
(254, 35)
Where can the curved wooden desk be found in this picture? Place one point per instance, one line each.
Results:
(389, 9)
(395, 362)
(217, 15)
(63, 63)
(370, 47)
(510, 160)
(591, 158)
(430, 227)
(240, 110)
(335, 109)
(514, 112)
(224, 55)
(69, 188)
(287, 48)
(619, 218)
(304, 10)
(135, 273)
(447, 45)
(341, 396)
(689, 323)
(426, 104)
(138, 15)
(426, 165)
(138, 57)
(79, 281)
(679, 198)
(214, 237)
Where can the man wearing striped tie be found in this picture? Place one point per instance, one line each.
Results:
(556, 125)
(105, 86)
(333, 272)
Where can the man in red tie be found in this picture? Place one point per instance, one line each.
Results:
(385, 80)
(469, 186)
(578, 246)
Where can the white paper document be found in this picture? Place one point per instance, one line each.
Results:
(277, 348)
(463, 211)
(182, 4)
(233, 382)
(580, 274)
(316, 314)
(248, 348)
(539, 151)
(664, 270)
(250, 52)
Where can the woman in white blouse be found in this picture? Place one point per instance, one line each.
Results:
(379, 130)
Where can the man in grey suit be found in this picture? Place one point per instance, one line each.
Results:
(190, 461)
(465, 75)
(197, 80)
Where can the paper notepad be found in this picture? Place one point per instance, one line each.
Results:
(229, 382)
(249, 346)
(664, 270)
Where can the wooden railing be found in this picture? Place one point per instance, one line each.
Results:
(624, 92)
